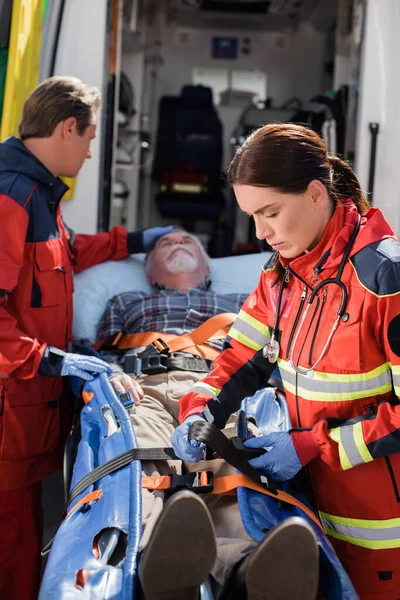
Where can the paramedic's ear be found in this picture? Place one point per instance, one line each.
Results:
(318, 193)
(68, 127)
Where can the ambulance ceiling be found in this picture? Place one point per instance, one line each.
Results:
(270, 15)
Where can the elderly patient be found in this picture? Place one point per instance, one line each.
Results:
(178, 545)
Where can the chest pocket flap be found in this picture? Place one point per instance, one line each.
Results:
(48, 284)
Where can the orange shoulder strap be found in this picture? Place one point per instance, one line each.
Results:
(214, 328)
(228, 485)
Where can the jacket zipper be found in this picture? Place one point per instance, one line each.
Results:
(289, 271)
(393, 478)
(296, 321)
(371, 410)
(324, 295)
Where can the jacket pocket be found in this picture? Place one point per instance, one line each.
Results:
(344, 353)
(48, 282)
(31, 419)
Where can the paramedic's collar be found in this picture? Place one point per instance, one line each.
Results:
(15, 157)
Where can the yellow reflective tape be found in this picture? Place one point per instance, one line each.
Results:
(364, 523)
(325, 396)
(396, 378)
(243, 339)
(371, 544)
(373, 529)
(329, 379)
(202, 385)
(360, 443)
(261, 327)
(344, 459)
(346, 377)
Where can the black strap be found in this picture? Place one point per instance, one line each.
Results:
(118, 462)
(217, 443)
(159, 363)
(215, 440)
(188, 363)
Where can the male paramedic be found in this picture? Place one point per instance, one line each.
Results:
(178, 546)
(38, 254)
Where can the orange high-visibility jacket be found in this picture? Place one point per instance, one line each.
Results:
(36, 260)
(350, 403)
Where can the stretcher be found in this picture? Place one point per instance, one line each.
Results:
(95, 551)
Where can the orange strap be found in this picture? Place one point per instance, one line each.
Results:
(88, 498)
(214, 328)
(228, 485)
(135, 340)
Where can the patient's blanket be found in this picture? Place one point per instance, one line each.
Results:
(94, 554)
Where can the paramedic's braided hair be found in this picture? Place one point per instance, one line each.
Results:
(287, 157)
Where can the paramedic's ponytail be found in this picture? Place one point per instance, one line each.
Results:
(345, 183)
(287, 157)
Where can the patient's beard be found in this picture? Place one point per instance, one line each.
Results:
(181, 262)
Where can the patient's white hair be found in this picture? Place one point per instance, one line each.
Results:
(149, 255)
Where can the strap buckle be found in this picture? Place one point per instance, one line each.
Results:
(156, 347)
(149, 365)
(199, 482)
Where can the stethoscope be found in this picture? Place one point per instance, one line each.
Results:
(271, 349)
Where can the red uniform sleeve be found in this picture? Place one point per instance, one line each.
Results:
(89, 250)
(19, 354)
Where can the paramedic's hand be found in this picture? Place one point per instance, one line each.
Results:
(151, 235)
(281, 461)
(56, 363)
(83, 366)
(192, 450)
(122, 382)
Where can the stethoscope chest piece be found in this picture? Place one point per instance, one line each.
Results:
(271, 351)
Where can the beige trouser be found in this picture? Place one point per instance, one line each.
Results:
(154, 420)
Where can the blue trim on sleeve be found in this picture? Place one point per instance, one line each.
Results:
(135, 242)
(378, 267)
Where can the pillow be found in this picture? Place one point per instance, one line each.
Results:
(95, 286)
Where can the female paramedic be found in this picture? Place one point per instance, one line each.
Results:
(37, 256)
(327, 309)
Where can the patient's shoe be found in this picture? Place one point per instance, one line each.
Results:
(181, 551)
(283, 567)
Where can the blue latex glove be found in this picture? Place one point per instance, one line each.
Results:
(281, 462)
(192, 450)
(151, 235)
(83, 366)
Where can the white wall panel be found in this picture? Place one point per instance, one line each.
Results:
(81, 52)
(379, 102)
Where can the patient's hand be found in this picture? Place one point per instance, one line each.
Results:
(124, 383)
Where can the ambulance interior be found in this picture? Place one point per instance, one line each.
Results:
(257, 62)
(165, 142)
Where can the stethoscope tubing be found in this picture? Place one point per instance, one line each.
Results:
(323, 284)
